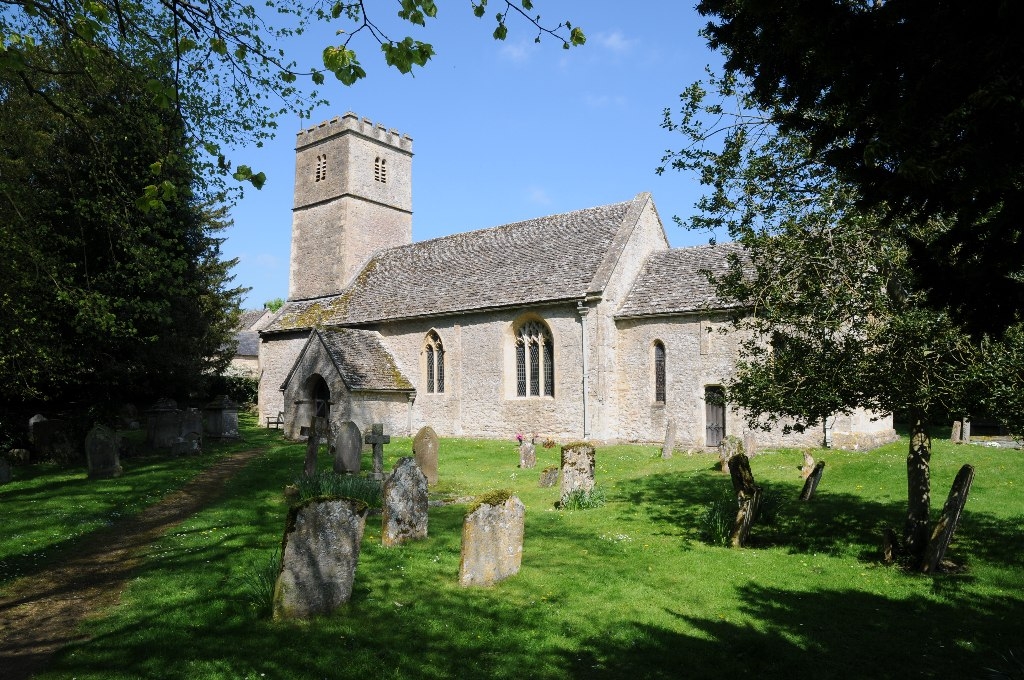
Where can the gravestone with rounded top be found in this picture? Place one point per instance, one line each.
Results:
(321, 552)
(404, 516)
(492, 541)
(425, 448)
(348, 448)
(102, 453)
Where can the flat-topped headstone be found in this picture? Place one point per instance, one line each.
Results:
(942, 534)
(578, 463)
(527, 455)
(670, 439)
(221, 416)
(404, 517)
(748, 498)
(548, 477)
(811, 485)
(377, 439)
(102, 453)
(492, 541)
(321, 552)
(425, 447)
(348, 448)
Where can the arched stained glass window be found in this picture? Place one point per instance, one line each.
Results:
(659, 372)
(434, 352)
(535, 360)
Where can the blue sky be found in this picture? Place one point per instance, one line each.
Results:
(502, 131)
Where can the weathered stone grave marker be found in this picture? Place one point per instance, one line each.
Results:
(404, 516)
(348, 448)
(221, 418)
(425, 448)
(578, 463)
(954, 435)
(317, 429)
(748, 497)
(492, 541)
(670, 439)
(321, 551)
(51, 439)
(808, 467)
(942, 534)
(728, 448)
(527, 455)
(5, 472)
(102, 453)
(548, 477)
(811, 485)
(749, 443)
(163, 424)
(377, 439)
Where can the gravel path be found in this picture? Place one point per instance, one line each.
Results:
(41, 613)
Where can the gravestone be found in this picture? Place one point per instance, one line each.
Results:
(377, 439)
(425, 448)
(492, 542)
(527, 455)
(670, 439)
(942, 534)
(749, 443)
(965, 432)
(348, 448)
(808, 467)
(321, 551)
(189, 444)
(577, 469)
(51, 439)
(548, 477)
(811, 485)
(102, 453)
(163, 424)
(748, 498)
(405, 504)
(19, 456)
(317, 428)
(5, 472)
(221, 418)
(128, 417)
(954, 435)
(728, 448)
(191, 423)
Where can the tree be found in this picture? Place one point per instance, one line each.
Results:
(114, 286)
(230, 76)
(832, 312)
(917, 105)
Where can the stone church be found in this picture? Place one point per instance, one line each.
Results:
(584, 325)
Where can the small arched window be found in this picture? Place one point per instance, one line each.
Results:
(434, 351)
(659, 372)
(535, 361)
(321, 167)
(380, 170)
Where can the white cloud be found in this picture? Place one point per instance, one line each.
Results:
(517, 52)
(614, 42)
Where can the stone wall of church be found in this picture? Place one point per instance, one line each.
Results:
(479, 399)
(606, 410)
(277, 355)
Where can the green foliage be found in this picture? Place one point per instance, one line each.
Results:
(258, 582)
(329, 484)
(241, 389)
(715, 522)
(581, 499)
(274, 305)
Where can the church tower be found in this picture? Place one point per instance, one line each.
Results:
(353, 196)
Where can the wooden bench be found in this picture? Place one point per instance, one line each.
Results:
(276, 422)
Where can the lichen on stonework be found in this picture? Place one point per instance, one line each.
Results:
(493, 498)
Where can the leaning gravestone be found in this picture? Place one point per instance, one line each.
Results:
(577, 469)
(548, 477)
(811, 485)
(102, 453)
(942, 534)
(425, 448)
(748, 498)
(321, 551)
(405, 504)
(492, 541)
(348, 448)
(5, 472)
(670, 439)
(527, 455)
(377, 439)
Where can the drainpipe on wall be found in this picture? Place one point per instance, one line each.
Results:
(584, 311)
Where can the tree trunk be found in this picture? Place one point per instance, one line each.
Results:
(915, 531)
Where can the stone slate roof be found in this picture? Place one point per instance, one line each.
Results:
(247, 343)
(249, 317)
(361, 358)
(560, 257)
(674, 281)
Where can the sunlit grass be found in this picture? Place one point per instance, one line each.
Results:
(627, 589)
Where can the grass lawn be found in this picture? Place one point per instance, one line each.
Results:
(628, 589)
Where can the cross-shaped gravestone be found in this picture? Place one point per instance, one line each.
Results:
(377, 439)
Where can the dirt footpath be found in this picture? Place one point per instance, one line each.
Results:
(41, 613)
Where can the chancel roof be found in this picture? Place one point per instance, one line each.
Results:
(675, 281)
(560, 257)
(362, 360)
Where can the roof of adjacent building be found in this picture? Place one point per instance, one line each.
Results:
(676, 281)
(247, 343)
(362, 360)
(548, 259)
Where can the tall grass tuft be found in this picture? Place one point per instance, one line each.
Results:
(258, 583)
(581, 499)
(717, 520)
(327, 484)
(772, 504)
